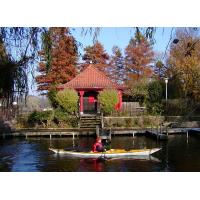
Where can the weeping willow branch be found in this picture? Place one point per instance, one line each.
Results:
(18, 51)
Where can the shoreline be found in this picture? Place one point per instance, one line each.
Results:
(76, 132)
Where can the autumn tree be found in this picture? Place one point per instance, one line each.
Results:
(138, 57)
(58, 59)
(97, 55)
(138, 60)
(117, 65)
(184, 63)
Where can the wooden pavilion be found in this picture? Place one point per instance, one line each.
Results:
(88, 84)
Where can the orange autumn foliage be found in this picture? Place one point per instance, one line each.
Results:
(184, 63)
(138, 58)
(63, 60)
(97, 55)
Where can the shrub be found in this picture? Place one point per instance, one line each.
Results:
(108, 99)
(47, 119)
(73, 122)
(63, 119)
(22, 121)
(44, 117)
(177, 106)
(155, 108)
(155, 92)
(138, 89)
(68, 100)
(60, 115)
(33, 118)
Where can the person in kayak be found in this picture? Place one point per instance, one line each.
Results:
(98, 146)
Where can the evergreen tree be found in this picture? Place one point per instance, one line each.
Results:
(117, 65)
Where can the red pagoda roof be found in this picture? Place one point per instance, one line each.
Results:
(90, 78)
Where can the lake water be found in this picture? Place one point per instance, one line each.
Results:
(32, 155)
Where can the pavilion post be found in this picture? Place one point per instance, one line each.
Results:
(120, 99)
(81, 101)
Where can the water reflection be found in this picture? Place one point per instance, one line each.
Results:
(179, 153)
(26, 157)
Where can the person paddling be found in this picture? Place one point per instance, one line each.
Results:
(98, 146)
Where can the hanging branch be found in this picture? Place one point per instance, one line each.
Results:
(19, 47)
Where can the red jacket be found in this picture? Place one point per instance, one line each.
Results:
(97, 147)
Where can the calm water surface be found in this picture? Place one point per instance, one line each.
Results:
(31, 155)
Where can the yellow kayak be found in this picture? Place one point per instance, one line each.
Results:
(112, 153)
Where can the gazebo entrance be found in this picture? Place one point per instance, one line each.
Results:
(90, 105)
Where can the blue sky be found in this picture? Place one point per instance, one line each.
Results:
(121, 36)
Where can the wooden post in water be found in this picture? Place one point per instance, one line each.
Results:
(73, 136)
(102, 122)
(26, 136)
(50, 143)
(50, 136)
(157, 131)
(133, 134)
(160, 128)
(167, 131)
(97, 131)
